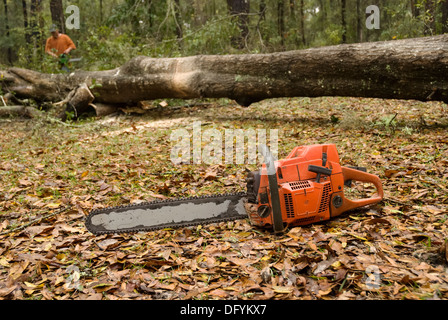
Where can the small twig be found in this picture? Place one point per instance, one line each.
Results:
(3, 100)
(34, 221)
(54, 120)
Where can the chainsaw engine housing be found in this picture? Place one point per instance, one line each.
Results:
(310, 187)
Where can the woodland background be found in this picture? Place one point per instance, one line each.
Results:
(113, 31)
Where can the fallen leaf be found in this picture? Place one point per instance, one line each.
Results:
(53, 205)
(377, 220)
(25, 182)
(389, 173)
(33, 231)
(95, 296)
(219, 293)
(433, 209)
(7, 290)
(107, 244)
(156, 195)
(323, 265)
(282, 289)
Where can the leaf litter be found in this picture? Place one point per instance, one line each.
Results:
(52, 176)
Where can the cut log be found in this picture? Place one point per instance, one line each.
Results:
(399, 69)
(102, 109)
(19, 111)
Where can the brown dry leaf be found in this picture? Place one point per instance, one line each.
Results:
(243, 261)
(70, 229)
(53, 205)
(323, 265)
(282, 289)
(390, 173)
(433, 209)
(336, 246)
(8, 290)
(107, 244)
(156, 195)
(165, 254)
(33, 231)
(17, 269)
(377, 220)
(95, 296)
(220, 293)
(25, 182)
(164, 286)
(211, 173)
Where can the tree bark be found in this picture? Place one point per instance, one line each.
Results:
(444, 9)
(343, 23)
(35, 15)
(281, 21)
(430, 22)
(241, 9)
(57, 14)
(359, 21)
(302, 23)
(400, 69)
(8, 50)
(25, 21)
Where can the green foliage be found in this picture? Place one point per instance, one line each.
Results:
(121, 29)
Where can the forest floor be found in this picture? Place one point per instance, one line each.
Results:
(394, 250)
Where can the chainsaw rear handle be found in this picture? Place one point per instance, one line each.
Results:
(341, 204)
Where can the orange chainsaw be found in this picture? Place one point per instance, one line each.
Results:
(305, 187)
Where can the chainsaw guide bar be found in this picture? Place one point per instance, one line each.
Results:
(170, 213)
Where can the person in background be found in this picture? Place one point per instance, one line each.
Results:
(59, 46)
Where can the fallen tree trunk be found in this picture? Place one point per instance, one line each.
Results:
(399, 69)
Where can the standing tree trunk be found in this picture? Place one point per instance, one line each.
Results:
(302, 23)
(430, 22)
(398, 69)
(241, 9)
(444, 9)
(101, 11)
(25, 22)
(359, 21)
(57, 14)
(8, 49)
(178, 21)
(343, 23)
(415, 10)
(36, 34)
(262, 10)
(292, 10)
(281, 21)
